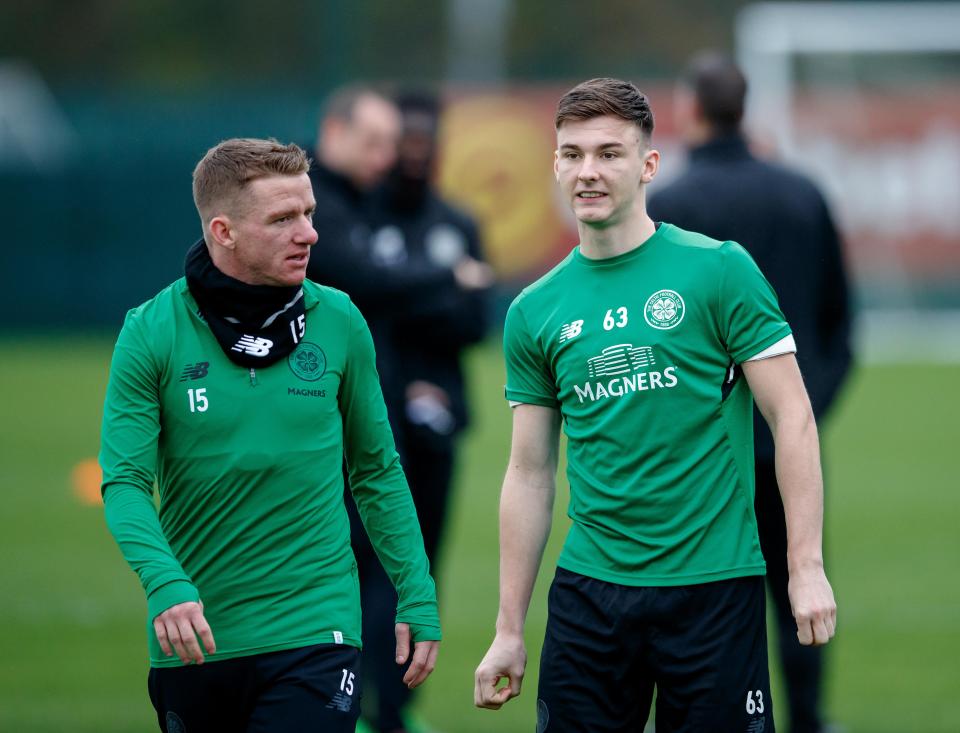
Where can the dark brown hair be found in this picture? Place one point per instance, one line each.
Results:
(226, 168)
(720, 89)
(600, 97)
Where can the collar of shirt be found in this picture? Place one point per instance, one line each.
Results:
(723, 147)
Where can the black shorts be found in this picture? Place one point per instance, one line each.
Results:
(703, 647)
(314, 688)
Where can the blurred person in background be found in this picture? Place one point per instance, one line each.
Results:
(414, 266)
(414, 227)
(648, 344)
(356, 147)
(782, 220)
(241, 389)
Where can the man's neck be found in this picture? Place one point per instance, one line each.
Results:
(224, 262)
(600, 243)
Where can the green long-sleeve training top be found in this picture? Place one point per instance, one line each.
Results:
(248, 464)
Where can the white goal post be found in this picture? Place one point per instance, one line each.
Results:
(885, 186)
(769, 36)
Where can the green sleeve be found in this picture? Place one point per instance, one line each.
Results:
(380, 487)
(128, 457)
(529, 379)
(750, 319)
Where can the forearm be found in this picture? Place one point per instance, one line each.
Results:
(457, 319)
(380, 488)
(133, 522)
(778, 389)
(801, 487)
(390, 518)
(526, 510)
(526, 514)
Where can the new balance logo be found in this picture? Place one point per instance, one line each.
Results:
(195, 371)
(571, 330)
(253, 346)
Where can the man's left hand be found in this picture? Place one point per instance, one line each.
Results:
(814, 608)
(424, 656)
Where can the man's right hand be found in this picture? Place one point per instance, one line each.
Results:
(177, 630)
(813, 605)
(505, 660)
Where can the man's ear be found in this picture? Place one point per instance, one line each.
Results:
(331, 130)
(222, 232)
(556, 165)
(651, 164)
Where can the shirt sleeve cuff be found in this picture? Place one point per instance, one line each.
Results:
(170, 594)
(761, 345)
(786, 345)
(425, 632)
(517, 397)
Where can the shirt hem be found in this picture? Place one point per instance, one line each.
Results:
(639, 580)
(325, 638)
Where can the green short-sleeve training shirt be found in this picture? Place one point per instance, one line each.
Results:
(636, 351)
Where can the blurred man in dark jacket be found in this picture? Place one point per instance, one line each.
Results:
(415, 226)
(356, 147)
(783, 221)
(416, 230)
(414, 267)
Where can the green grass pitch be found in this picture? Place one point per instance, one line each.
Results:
(72, 651)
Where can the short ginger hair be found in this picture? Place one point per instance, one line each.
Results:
(229, 166)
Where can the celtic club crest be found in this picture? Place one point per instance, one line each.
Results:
(308, 362)
(664, 309)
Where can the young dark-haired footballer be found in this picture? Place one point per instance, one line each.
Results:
(648, 344)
